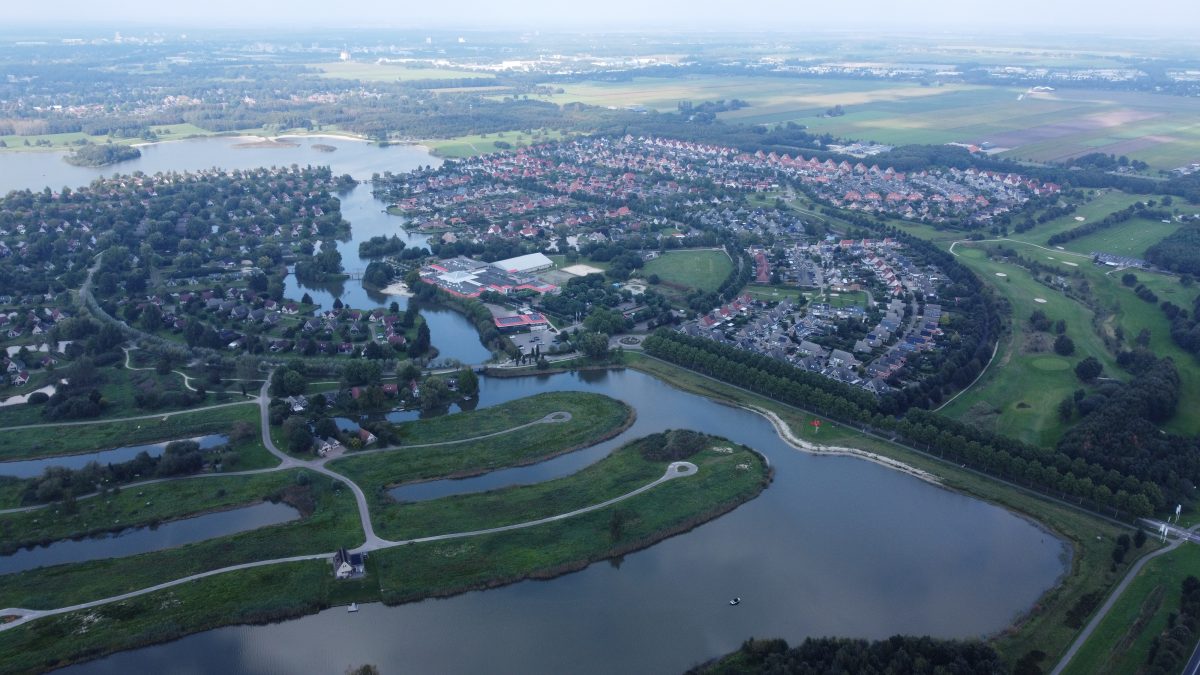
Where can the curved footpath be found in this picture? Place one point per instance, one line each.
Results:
(674, 470)
(551, 418)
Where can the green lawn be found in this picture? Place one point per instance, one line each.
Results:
(701, 269)
(1102, 203)
(1121, 643)
(1130, 238)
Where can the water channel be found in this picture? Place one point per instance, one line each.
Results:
(32, 468)
(134, 540)
(836, 546)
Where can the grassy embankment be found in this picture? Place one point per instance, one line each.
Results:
(593, 419)
(52, 440)
(1045, 627)
(395, 575)
(1121, 643)
(138, 506)
(448, 567)
(621, 472)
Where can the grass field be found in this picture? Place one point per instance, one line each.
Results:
(704, 270)
(482, 144)
(1122, 641)
(377, 72)
(165, 132)
(1018, 395)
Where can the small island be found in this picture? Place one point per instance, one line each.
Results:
(102, 155)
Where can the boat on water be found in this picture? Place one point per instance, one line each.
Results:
(735, 601)
(353, 607)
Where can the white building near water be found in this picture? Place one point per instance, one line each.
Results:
(524, 264)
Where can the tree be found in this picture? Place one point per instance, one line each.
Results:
(593, 345)
(468, 383)
(1088, 369)
(297, 435)
(1064, 346)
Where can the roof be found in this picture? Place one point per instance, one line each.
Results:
(520, 320)
(523, 263)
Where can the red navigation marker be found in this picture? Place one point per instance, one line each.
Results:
(816, 425)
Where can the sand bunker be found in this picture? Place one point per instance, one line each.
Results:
(1001, 274)
(1070, 263)
(1041, 301)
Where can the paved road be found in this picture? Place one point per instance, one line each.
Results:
(674, 470)
(1184, 535)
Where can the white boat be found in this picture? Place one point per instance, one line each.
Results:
(735, 601)
(353, 607)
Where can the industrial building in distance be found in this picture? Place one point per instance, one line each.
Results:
(467, 278)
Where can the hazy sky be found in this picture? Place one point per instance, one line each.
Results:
(978, 16)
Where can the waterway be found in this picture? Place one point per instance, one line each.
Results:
(836, 546)
(134, 540)
(452, 335)
(32, 468)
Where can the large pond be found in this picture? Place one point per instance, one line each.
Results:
(31, 468)
(836, 546)
(134, 540)
(452, 335)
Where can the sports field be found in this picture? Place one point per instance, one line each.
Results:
(704, 269)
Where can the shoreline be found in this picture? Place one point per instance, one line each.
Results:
(785, 433)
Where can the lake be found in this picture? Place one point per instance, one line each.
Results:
(836, 546)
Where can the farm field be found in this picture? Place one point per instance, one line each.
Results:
(375, 72)
(1019, 394)
(766, 95)
(704, 269)
(1160, 130)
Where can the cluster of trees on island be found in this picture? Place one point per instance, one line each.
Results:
(102, 155)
